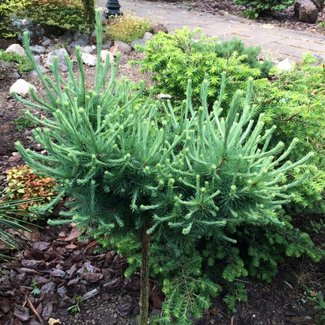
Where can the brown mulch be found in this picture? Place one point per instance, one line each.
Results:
(64, 268)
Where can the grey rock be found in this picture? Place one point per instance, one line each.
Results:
(82, 41)
(38, 59)
(306, 11)
(60, 53)
(88, 49)
(46, 42)
(147, 36)
(33, 73)
(38, 49)
(107, 45)
(123, 47)
(140, 42)
(16, 49)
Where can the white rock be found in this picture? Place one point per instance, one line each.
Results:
(46, 42)
(88, 49)
(164, 96)
(60, 54)
(21, 87)
(285, 65)
(89, 59)
(104, 54)
(38, 49)
(16, 48)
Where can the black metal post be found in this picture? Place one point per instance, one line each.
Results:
(113, 8)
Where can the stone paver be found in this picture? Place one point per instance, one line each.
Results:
(275, 42)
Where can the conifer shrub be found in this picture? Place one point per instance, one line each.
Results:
(295, 102)
(194, 185)
(175, 58)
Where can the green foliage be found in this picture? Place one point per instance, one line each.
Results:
(295, 103)
(89, 12)
(69, 15)
(176, 58)
(23, 123)
(75, 309)
(55, 13)
(127, 28)
(259, 7)
(201, 184)
(24, 64)
(317, 298)
(7, 9)
(5, 21)
(36, 291)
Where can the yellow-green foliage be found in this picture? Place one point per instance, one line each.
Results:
(127, 28)
(23, 184)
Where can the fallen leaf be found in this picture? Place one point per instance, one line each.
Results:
(75, 233)
(53, 321)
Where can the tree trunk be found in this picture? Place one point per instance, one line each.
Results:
(144, 281)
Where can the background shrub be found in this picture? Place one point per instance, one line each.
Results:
(175, 58)
(256, 8)
(127, 28)
(295, 103)
(57, 13)
(71, 15)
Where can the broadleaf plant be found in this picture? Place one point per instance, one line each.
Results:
(135, 166)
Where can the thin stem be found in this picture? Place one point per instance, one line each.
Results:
(144, 280)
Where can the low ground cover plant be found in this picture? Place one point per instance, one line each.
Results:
(126, 28)
(24, 64)
(205, 187)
